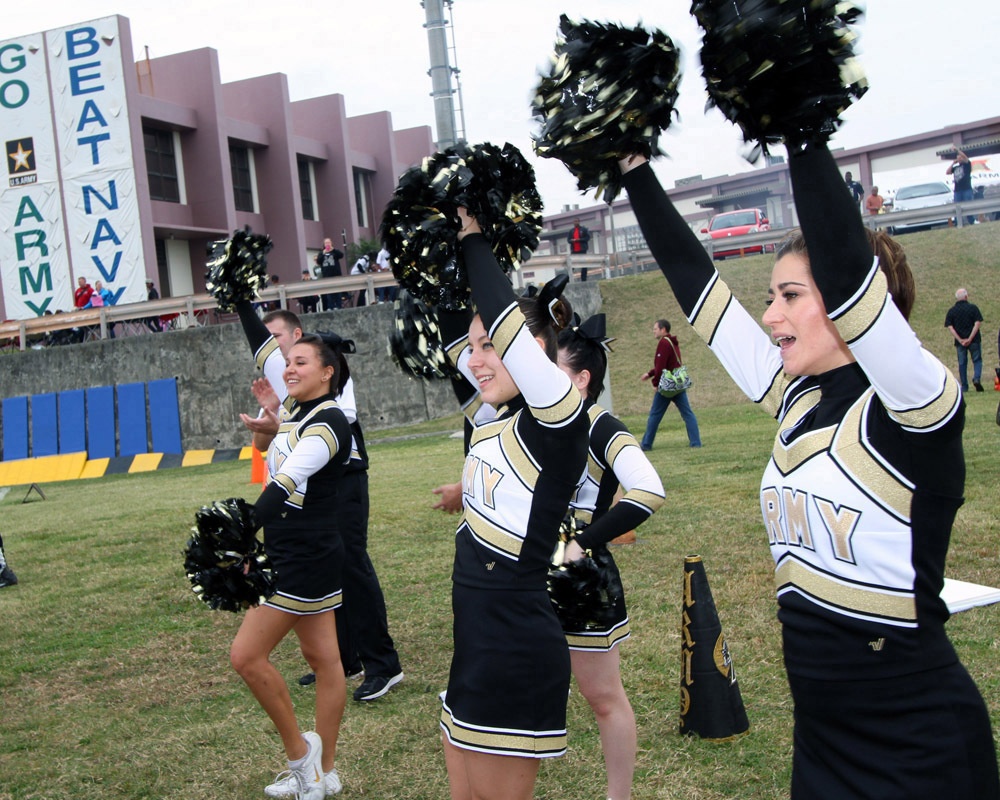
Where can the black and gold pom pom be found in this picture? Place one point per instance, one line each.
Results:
(420, 228)
(225, 561)
(237, 267)
(583, 593)
(415, 340)
(609, 92)
(782, 70)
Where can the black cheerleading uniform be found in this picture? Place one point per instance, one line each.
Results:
(614, 459)
(306, 460)
(858, 499)
(362, 625)
(510, 670)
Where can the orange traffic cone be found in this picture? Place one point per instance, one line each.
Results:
(711, 704)
(257, 468)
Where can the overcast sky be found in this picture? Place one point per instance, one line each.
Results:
(929, 65)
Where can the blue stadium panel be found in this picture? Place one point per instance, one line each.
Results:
(72, 422)
(101, 422)
(132, 432)
(44, 425)
(164, 416)
(15, 428)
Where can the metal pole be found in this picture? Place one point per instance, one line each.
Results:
(440, 72)
(614, 246)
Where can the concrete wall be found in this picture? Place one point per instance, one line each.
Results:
(214, 369)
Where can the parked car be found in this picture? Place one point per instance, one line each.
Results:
(738, 223)
(921, 195)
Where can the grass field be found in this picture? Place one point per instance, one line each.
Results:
(114, 679)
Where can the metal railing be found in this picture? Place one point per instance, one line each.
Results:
(173, 312)
(201, 309)
(958, 212)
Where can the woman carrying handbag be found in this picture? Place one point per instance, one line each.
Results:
(668, 358)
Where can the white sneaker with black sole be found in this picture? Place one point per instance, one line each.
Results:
(376, 686)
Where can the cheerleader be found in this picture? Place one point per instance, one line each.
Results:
(307, 459)
(363, 628)
(858, 497)
(615, 458)
(505, 705)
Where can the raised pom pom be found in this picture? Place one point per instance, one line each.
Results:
(609, 93)
(420, 228)
(782, 70)
(237, 267)
(224, 559)
(415, 342)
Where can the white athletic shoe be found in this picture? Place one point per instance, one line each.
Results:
(304, 781)
(285, 787)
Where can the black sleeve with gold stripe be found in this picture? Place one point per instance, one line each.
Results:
(839, 253)
(491, 290)
(681, 257)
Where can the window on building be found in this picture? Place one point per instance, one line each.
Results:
(307, 189)
(362, 195)
(161, 164)
(244, 180)
(629, 238)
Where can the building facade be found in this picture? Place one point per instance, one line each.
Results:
(888, 165)
(124, 172)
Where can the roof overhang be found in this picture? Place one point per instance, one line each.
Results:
(985, 147)
(731, 197)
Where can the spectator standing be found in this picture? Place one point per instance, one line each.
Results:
(963, 320)
(309, 303)
(83, 293)
(153, 323)
(874, 202)
(362, 266)
(81, 299)
(384, 294)
(961, 172)
(668, 356)
(273, 282)
(579, 243)
(856, 189)
(328, 261)
(103, 297)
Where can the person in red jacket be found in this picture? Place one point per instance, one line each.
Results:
(579, 243)
(668, 356)
(84, 291)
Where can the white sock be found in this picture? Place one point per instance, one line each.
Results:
(300, 761)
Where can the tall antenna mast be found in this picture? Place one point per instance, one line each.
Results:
(441, 42)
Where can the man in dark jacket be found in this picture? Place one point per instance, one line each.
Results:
(328, 261)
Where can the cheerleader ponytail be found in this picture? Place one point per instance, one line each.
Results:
(586, 347)
(547, 313)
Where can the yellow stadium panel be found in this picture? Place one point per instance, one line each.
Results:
(42, 470)
(195, 458)
(246, 453)
(145, 462)
(11, 473)
(95, 468)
